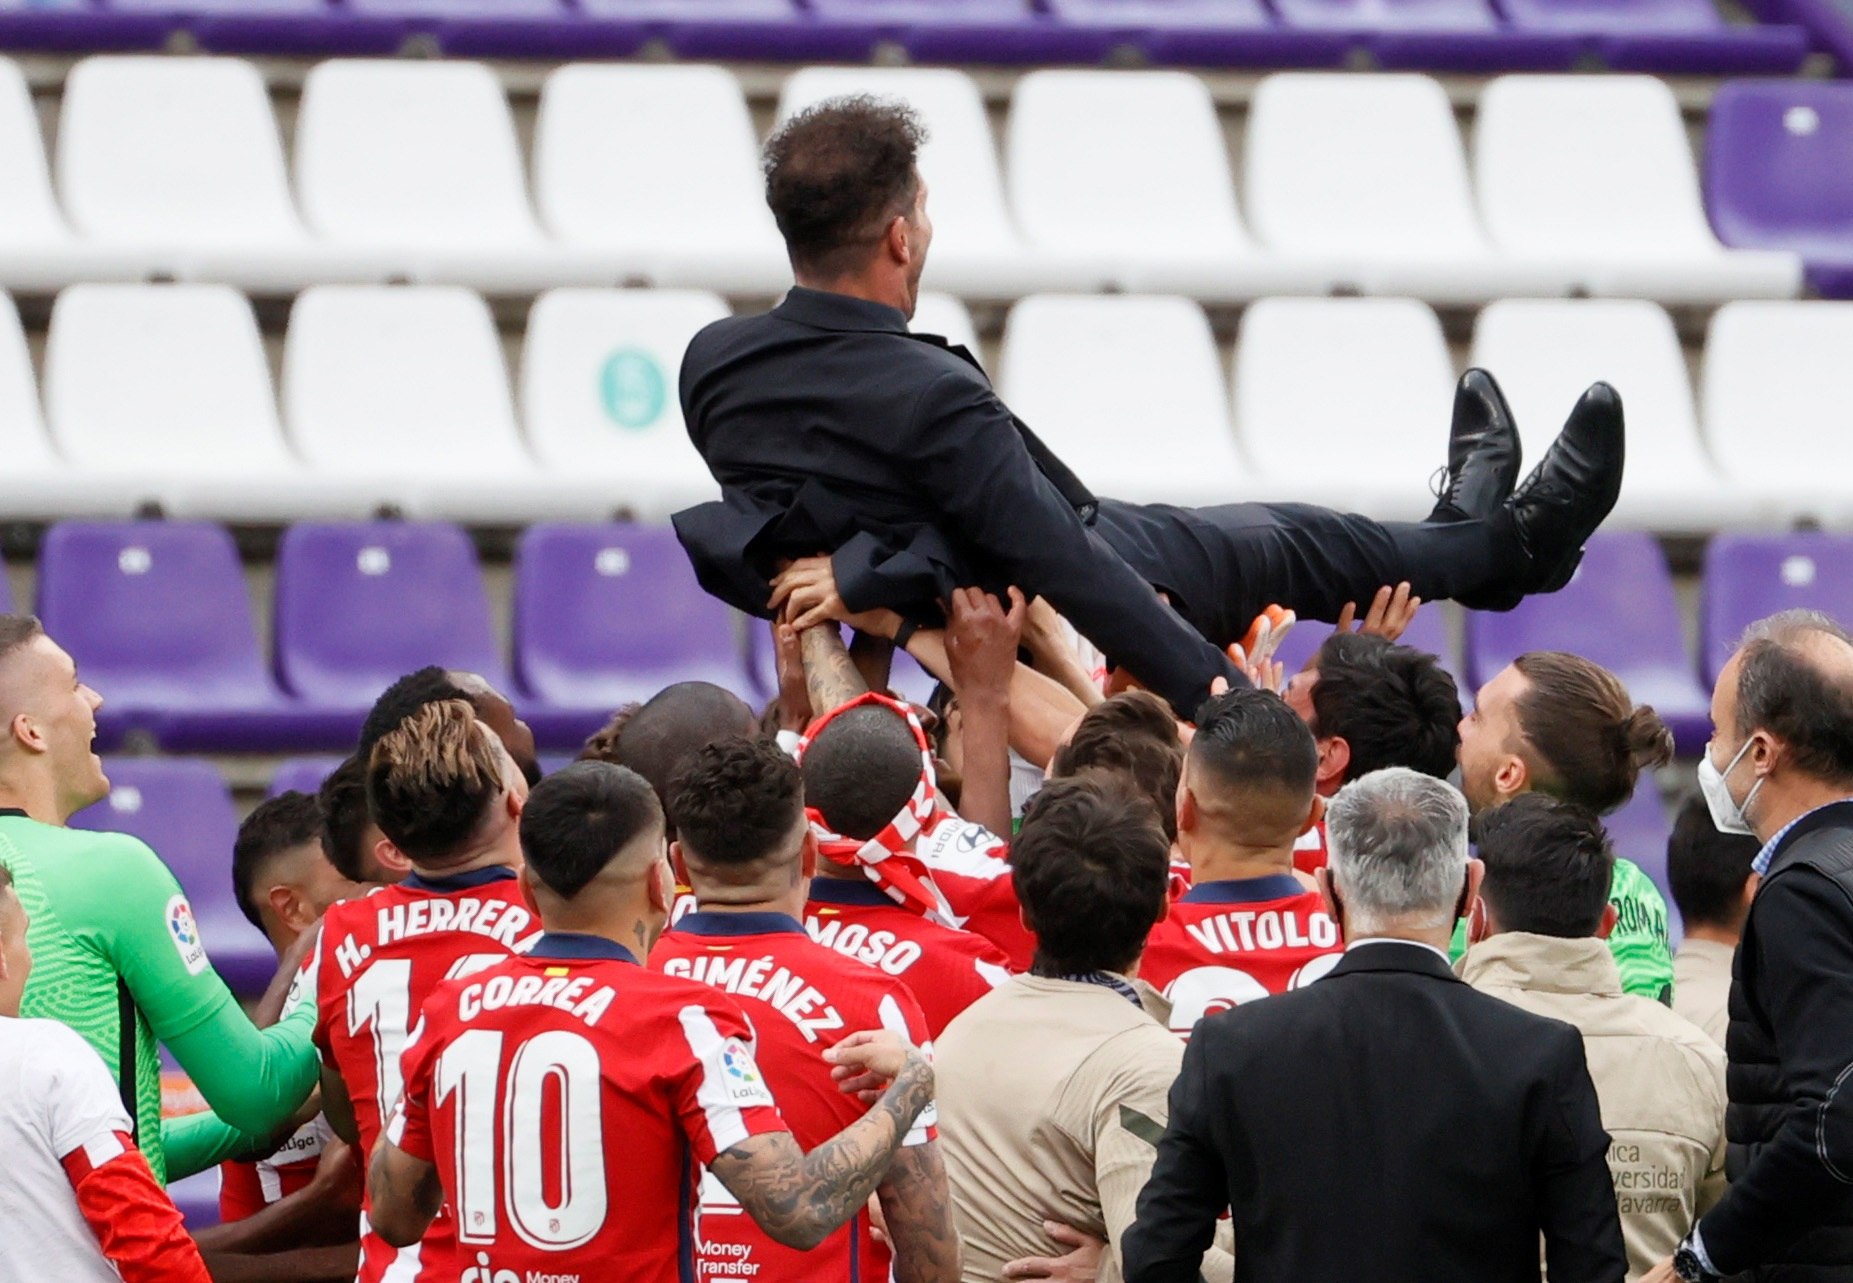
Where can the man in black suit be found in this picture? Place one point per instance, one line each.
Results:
(1387, 1122)
(833, 429)
(1780, 766)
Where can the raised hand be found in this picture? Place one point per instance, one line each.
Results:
(981, 641)
(1391, 612)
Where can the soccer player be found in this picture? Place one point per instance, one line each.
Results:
(284, 883)
(564, 1099)
(744, 839)
(447, 796)
(431, 684)
(119, 954)
(77, 1200)
(1247, 927)
(868, 786)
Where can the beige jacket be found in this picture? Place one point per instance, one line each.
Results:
(1702, 985)
(1052, 1096)
(1659, 1078)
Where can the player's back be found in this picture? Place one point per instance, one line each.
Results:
(803, 998)
(946, 969)
(1224, 943)
(569, 1098)
(379, 958)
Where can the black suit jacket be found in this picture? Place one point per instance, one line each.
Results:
(1386, 1123)
(833, 429)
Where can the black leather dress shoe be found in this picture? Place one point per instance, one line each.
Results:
(1570, 492)
(1483, 452)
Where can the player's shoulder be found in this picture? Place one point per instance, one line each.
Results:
(93, 854)
(43, 1050)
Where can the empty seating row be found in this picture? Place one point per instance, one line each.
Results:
(160, 621)
(1471, 35)
(397, 398)
(173, 168)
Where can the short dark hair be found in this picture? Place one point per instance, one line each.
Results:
(658, 738)
(431, 781)
(1091, 870)
(1589, 741)
(580, 817)
(404, 697)
(1781, 689)
(1249, 737)
(836, 173)
(342, 801)
(17, 631)
(602, 744)
(1705, 869)
(1392, 705)
(1133, 735)
(737, 801)
(279, 824)
(860, 769)
(1548, 866)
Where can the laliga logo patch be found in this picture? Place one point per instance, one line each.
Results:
(744, 1084)
(185, 932)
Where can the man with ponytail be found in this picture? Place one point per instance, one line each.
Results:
(1558, 724)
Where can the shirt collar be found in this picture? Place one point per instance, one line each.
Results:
(579, 947)
(706, 922)
(1761, 864)
(1543, 964)
(1351, 945)
(13, 811)
(828, 311)
(847, 891)
(1273, 886)
(460, 881)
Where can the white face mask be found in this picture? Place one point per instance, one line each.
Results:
(1726, 814)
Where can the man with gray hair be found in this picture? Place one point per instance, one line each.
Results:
(1388, 1122)
(1780, 766)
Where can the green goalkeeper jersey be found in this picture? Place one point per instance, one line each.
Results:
(117, 956)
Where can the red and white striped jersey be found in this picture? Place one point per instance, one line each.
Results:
(569, 1099)
(946, 969)
(1310, 853)
(246, 1188)
(379, 957)
(1229, 942)
(802, 999)
(970, 867)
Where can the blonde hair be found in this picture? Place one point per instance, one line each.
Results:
(432, 779)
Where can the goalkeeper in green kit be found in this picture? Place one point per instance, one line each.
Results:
(116, 952)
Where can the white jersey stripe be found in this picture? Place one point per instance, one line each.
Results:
(726, 1127)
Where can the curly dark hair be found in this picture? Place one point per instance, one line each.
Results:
(836, 174)
(738, 801)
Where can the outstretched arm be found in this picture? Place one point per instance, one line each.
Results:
(830, 673)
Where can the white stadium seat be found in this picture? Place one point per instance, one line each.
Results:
(1131, 169)
(1344, 401)
(657, 168)
(1777, 403)
(419, 162)
(403, 391)
(163, 392)
(1597, 172)
(1128, 390)
(599, 392)
(1545, 352)
(1368, 171)
(179, 160)
(977, 251)
(946, 316)
(37, 249)
(39, 485)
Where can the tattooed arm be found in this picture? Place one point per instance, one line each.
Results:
(403, 1194)
(828, 670)
(801, 1199)
(917, 1205)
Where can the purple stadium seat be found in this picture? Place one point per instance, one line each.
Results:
(1638, 831)
(980, 31)
(157, 617)
(267, 26)
(1779, 173)
(302, 774)
(551, 762)
(1428, 632)
(77, 26)
(1665, 36)
(1441, 34)
(606, 614)
(1205, 33)
(1620, 611)
(729, 29)
(502, 28)
(1750, 577)
(181, 807)
(360, 605)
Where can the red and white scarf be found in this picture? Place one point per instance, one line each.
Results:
(886, 859)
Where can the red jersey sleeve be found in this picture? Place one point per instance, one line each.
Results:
(136, 1224)
(716, 1088)
(409, 1125)
(900, 1013)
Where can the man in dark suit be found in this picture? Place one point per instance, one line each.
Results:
(1386, 1122)
(1780, 766)
(833, 429)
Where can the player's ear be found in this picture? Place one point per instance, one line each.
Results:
(289, 906)
(1610, 916)
(1314, 815)
(391, 858)
(1334, 758)
(899, 248)
(1513, 776)
(524, 878)
(807, 854)
(26, 732)
(662, 888)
